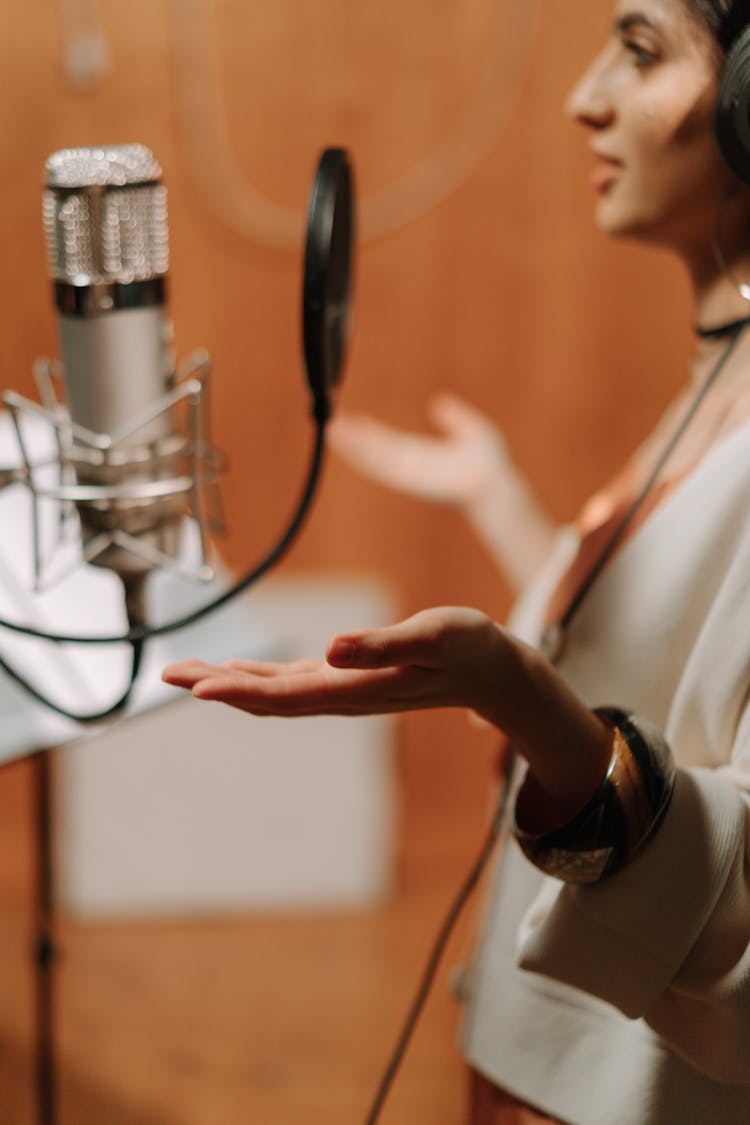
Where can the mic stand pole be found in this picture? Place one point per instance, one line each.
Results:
(44, 940)
(45, 949)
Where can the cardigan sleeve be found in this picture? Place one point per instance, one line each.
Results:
(666, 939)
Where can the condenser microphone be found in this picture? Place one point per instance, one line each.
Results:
(131, 432)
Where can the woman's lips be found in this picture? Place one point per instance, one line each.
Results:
(605, 172)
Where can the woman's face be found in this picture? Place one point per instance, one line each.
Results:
(648, 101)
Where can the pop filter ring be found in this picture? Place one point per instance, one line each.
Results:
(326, 291)
(326, 305)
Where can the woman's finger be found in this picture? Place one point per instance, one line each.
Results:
(189, 672)
(453, 415)
(326, 691)
(433, 638)
(273, 667)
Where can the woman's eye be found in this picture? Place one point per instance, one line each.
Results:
(642, 56)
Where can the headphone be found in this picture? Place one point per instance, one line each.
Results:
(732, 115)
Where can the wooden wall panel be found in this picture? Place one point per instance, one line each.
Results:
(503, 291)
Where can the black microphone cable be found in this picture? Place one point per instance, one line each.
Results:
(137, 634)
(136, 647)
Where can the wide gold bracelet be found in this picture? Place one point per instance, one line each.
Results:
(623, 813)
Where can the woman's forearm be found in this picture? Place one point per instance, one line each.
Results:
(512, 523)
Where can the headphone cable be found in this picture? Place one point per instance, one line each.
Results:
(438, 948)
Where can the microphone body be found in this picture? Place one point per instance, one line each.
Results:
(116, 365)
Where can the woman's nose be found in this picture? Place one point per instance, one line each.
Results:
(589, 102)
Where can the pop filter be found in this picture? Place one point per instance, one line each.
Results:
(326, 291)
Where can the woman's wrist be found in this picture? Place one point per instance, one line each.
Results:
(554, 795)
(566, 745)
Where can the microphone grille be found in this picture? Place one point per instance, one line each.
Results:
(105, 215)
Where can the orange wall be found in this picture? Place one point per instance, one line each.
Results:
(503, 290)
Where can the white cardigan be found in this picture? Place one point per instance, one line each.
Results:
(628, 1002)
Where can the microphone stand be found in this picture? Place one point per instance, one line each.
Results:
(327, 280)
(44, 940)
(45, 951)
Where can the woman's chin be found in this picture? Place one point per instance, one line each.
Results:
(610, 218)
(614, 221)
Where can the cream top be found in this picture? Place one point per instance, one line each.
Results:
(628, 1003)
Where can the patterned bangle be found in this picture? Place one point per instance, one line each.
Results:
(623, 813)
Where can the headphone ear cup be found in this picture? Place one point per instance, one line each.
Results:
(732, 118)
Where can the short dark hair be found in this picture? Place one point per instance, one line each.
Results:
(725, 19)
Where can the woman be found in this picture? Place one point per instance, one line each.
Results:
(613, 985)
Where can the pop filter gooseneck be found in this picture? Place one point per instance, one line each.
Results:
(326, 317)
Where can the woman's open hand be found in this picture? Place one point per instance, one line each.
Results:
(447, 657)
(444, 657)
(454, 466)
(464, 465)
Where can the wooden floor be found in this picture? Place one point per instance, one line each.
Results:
(253, 1020)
